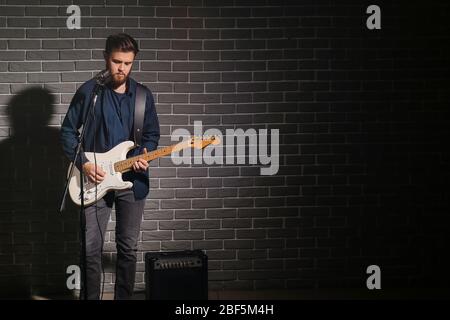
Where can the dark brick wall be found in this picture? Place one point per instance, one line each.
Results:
(363, 119)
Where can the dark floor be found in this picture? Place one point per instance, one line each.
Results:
(305, 294)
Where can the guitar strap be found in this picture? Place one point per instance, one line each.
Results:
(139, 111)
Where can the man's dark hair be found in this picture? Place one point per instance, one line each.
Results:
(121, 42)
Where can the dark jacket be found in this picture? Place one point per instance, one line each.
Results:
(113, 124)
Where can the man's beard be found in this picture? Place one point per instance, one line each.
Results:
(118, 81)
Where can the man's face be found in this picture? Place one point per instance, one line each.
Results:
(119, 64)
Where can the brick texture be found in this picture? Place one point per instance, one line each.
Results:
(362, 114)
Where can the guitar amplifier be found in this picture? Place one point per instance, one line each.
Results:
(176, 275)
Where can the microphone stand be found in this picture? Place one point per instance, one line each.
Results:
(83, 292)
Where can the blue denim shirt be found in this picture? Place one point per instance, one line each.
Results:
(113, 124)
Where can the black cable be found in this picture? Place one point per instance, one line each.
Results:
(101, 233)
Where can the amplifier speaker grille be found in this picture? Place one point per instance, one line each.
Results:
(176, 275)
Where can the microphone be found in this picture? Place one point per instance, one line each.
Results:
(103, 77)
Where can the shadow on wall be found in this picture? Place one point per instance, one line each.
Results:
(37, 243)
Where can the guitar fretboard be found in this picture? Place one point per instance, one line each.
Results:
(127, 164)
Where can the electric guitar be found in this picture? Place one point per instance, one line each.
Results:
(114, 163)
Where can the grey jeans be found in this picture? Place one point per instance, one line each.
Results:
(128, 221)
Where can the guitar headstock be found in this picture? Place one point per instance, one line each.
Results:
(200, 143)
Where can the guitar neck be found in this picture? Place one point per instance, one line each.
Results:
(127, 164)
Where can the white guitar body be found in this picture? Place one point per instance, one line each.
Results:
(113, 179)
(115, 162)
